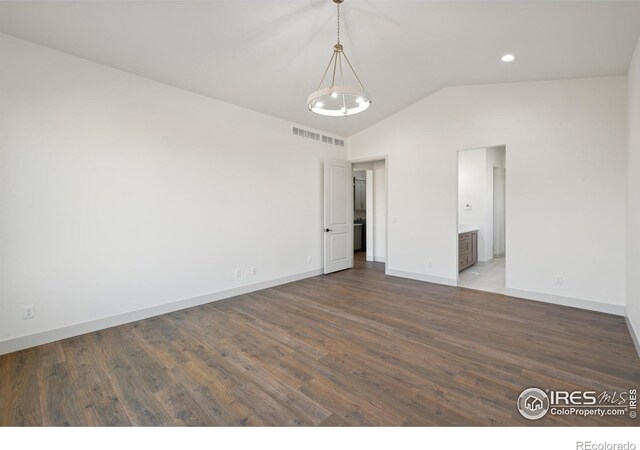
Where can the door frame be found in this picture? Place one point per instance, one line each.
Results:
(506, 161)
(384, 158)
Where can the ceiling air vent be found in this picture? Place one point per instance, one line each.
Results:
(317, 137)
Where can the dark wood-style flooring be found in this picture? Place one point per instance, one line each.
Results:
(353, 348)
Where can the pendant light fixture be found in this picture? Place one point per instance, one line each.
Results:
(338, 98)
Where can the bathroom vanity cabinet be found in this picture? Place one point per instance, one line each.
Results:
(467, 249)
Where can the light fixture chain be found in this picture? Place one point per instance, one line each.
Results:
(338, 23)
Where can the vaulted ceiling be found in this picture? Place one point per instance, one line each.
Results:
(269, 55)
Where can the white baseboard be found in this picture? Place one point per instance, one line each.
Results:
(422, 277)
(44, 337)
(379, 259)
(635, 337)
(590, 305)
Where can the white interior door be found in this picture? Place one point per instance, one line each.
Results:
(338, 216)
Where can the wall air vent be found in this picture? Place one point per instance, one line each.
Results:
(317, 137)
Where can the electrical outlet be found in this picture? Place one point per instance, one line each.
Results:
(309, 259)
(559, 280)
(254, 270)
(238, 273)
(29, 312)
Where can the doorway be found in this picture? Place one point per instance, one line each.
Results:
(370, 211)
(481, 219)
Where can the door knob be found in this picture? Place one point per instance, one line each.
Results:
(327, 230)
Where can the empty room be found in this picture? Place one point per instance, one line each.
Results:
(321, 213)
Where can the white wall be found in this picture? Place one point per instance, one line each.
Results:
(121, 194)
(472, 191)
(565, 207)
(633, 196)
(496, 172)
(379, 210)
(369, 215)
(495, 157)
(360, 174)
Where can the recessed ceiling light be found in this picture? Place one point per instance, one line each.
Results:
(508, 58)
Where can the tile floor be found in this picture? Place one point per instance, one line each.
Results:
(484, 276)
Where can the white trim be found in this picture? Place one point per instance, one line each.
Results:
(370, 215)
(634, 336)
(44, 337)
(483, 263)
(591, 305)
(422, 277)
(379, 259)
(384, 158)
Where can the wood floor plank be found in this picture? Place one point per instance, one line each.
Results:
(138, 402)
(243, 386)
(6, 397)
(49, 354)
(21, 406)
(58, 396)
(100, 404)
(219, 404)
(355, 348)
